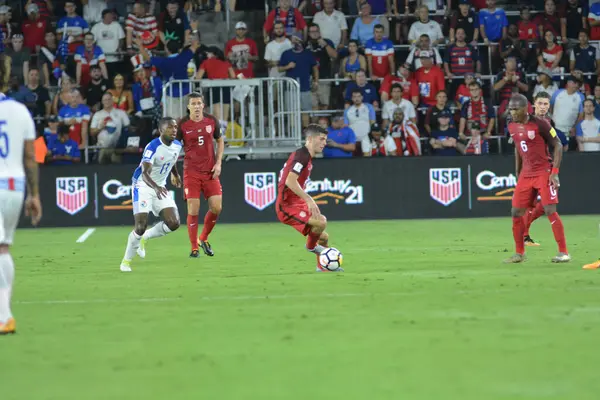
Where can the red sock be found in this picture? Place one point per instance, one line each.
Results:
(518, 228)
(532, 214)
(192, 225)
(559, 232)
(312, 240)
(210, 220)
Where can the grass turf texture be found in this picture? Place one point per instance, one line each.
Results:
(425, 310)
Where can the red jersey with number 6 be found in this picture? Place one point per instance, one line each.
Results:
(199, 143)
(300, 163)
(531, 140)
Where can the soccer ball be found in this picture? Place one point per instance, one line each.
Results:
(331, 259)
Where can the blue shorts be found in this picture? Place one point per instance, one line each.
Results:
(564, 139)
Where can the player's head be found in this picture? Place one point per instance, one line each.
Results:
(316, 138)
(196, 106)
(167, 127)
(541, 104)
(517, 106)
(588, 107)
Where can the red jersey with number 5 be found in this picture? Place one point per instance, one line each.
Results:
(531, 140)
(199, 143)
(299, 163)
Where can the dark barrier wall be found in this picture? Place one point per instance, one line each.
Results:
(382, 188)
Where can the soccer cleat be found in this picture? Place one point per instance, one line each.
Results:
(530, 242)
(8, 327)
(206, 248)
(195, 254)
(515, 259)
(594, 265)
(126, 265)
(561, 258)
(141, 251)
(317, 250)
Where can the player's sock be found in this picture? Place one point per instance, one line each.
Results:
(210, 220)
(559, 232)
(518, 229)
(311, 240)
(7, 275)
(532, 215)
(192, 225)
(158, 230)
(133, 242)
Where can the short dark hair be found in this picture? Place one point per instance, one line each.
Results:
(63, 129)
(475, 83)
(591, 101)
(542, 95)
(378, 26)
(95, 66)
(164, 122)
(397, 86)
(195, 95)
(90, 34)
(315, 130)
(584, 31)
(357, 90)
(519, 99)
(173, 46)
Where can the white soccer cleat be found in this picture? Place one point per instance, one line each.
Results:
(126, 266)
(561, 258)
(141, 251)
(321, 269)
(317, 250)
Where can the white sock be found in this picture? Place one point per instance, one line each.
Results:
(133, 242)
(158, 230)
(7, 275)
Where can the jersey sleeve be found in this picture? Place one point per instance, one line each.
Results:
(217, 132)
(150, 151)
(300, 161)
(578, 130)
(546, 131)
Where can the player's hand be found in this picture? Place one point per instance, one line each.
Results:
(554, 181)
(313, 208)
(216, 170)
(33, 209)
(161, 192)
(291, 65)
(176, 180)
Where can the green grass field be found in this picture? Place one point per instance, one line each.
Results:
(425, 310)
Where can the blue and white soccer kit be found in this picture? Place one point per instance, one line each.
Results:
(162, 158)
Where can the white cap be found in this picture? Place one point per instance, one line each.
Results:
(241, 25)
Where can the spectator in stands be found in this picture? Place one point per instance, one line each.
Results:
(47, 57)
(548, 20)
(353, 62)
(192, 7)
(380, 54)
(324, 53)
(466, 19)
(110, 37)
(132, 142)
(396, 102)
(122, 97)
(41, 97)
(369, 93)
(425, 26)
(174, 24)
(293, 21)
(414, 56)
(333, 24)
(77, 117)
(584, 57)
(364, 26)
(87, 55)
(275, 49)
(50, 132)
(587, 131)
(20, 92)
(72, 26)
(444, 139)
(34, 29)
(594, 21)
(573, 19)
(476, 116)
(141, 25)
(359, 117)
(550, 54)
(147, 95)
(92, 10)
(410, 88)
(441, 106)
(45, 7)
(528, 30)
(64, 150)
(463, 93)
(63, 96)
(596, 99)
(216, 67)
(545, 83)
(430, 79)
(107, 126)
(242, 52)
(19, 56)
(299, 63)
(509, 78)
(583, 86)
(5, 26)
(405, 134)
(341, 140)
(96, 88)
(461, 58)
(378, 144)
(492, 23)
(513, 46)
(566, 108)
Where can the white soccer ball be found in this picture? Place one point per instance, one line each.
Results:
(331, 259)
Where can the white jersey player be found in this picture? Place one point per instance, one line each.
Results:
(149, 192)
(18, 174)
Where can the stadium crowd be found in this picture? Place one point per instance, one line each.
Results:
(386, 77)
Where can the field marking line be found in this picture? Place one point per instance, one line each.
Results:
(86, 235)
(101, 301)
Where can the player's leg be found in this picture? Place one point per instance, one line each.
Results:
(523, 198)
(193, 208)
(317, 225)
(214, 195)
(169, 223)
(530, 216)
(549, 201)
(133, 240)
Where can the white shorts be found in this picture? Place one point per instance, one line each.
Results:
(11, 203)
(145, 201)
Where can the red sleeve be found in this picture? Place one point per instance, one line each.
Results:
(386, 85)
(268, 26)
(414, 88)
(453, 22)
(253, 48)
(228, 46)
(300, 161)
(217, 132)
(300, 22)
(161, 22)
(544, 130)
(441, 80)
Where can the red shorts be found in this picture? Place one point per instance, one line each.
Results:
(528, 189)
(193, 185)
(295, 215)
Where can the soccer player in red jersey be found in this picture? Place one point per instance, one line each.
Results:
(537, 174)
(201, 170)
(294, 206)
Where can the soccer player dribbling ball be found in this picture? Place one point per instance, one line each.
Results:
(201, 171)
(294, 206)
(536, 175)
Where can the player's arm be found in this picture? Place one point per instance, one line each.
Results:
(161, 192)
(292, 183)
(552, 139)
(518, 162)
(175, 177)
(220, 149)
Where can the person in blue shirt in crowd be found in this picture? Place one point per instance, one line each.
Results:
(444, 140)
(341, 140)
(367, 89)
(51, 131)
(64, 150)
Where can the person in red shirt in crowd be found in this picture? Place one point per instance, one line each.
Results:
(410, 89)
(476, 115)
(548, 20)
(291, 17)
(216, 67)
(528, 30)
(430, 79)
(550, 53)
(510, 78)
(241, 51)
(380, 54)
(463, 93)
(34, 29)
(45, 7)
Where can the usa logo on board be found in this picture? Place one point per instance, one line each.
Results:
(260, 189)
(72, 194)
(445, 185)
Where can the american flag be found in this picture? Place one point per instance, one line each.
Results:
(63, 46)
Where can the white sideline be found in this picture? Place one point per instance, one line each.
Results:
(86, 235)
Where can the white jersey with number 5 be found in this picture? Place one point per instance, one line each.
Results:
(16, 127)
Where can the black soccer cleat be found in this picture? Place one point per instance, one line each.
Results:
(206, 248)
(529, 241)
(195, 254)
